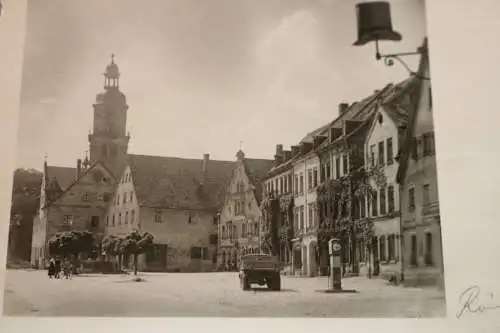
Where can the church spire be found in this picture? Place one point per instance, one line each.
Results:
(112, 75)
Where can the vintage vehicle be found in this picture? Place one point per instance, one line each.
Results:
(260, 269)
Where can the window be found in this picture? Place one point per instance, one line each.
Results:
(382, 201)
(428, 249)
(124, 197)
(390, 152)
(157, 217)
(85, 196)
(390, 198)
(301, 190)
(337, 167)
(195, 252)
(391, 242)
(223, 232)
(426, 194)
(414, 148)
(68, 219)
(430, 98)
(126, 217)
(382, 248)
(345, 164)
(309, 179)
(301, 222)
(372, 155)
(310, 215)
(212, 239)
(107, 220)
(106, 197)
(427, 144)
(113, 221)
(328, 170)
(411, 199)
(190, 218)
(362, 207)
(119, 218)
(131, 196)
(381, 155)
(132, 216)
(94, 221)
(117, 199)
(374, 204)
(315, 177)
(290, 182)
(413, 256)
(296, 185)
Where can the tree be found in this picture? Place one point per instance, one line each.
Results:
(137, 243)
(112, 246)
(70, 244)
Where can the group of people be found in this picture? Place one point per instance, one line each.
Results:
(55, 269)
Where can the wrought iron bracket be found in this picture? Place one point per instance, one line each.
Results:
(390, 58)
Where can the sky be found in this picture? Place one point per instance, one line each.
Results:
(200, 76)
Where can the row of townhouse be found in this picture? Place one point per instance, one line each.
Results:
(368, 178)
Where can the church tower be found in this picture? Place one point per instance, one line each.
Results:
(109, 141)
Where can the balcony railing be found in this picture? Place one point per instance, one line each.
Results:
(430, 211)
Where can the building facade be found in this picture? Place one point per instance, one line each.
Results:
(174, 199)
(277, 207)
(423, 260)
(239, 230)
(70, 205)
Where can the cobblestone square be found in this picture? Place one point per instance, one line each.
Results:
(31, 293)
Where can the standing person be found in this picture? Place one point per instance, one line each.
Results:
(58, 268)
(52, 268)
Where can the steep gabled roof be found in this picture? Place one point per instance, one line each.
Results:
(178, 183)
(256, 170)
(75, 180)
(65, 176)
(415, 100)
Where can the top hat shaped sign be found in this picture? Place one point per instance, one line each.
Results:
(374, 23)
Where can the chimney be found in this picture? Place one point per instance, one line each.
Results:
(286, 155)
(342, 108)
(204, 165)
(295, 150)
(279, 149)
(78, 168)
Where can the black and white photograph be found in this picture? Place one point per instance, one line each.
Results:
(226, 158)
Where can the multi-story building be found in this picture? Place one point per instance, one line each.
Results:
(306, 173)
(114, 192)
(417, 176)
(70, 201)
(277, 207)
(240, 215)
(341, 156)
(383, 141)
(175, 200)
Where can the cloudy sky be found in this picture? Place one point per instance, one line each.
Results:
(200, 76)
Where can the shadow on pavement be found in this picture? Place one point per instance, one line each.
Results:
(263, 290)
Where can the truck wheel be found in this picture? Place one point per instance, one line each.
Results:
(244, 283)
(274, 282)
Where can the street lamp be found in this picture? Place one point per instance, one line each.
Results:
(374, 25)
